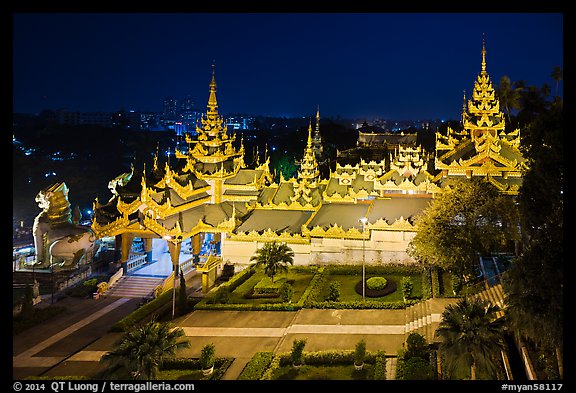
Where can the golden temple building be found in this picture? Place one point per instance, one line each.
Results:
(208, 189)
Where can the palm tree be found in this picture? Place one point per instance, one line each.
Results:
(509, 95)
(557, 75)
(275, 257)
(471, 336)
(141, 352)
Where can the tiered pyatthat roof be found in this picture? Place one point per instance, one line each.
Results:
(408, 173)
(213, 154)
(317, 140)
(483, 147)
(184, 197)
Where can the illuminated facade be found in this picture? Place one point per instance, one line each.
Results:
(208, 189)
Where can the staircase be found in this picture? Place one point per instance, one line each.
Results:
(495, 296)
(424, 317)
(134, 287)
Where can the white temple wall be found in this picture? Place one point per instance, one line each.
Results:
(384, 247)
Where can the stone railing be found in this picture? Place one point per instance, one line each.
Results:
(135, 260)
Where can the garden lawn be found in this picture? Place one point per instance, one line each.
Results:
(301, 281)
(348, 283)
(335, 372)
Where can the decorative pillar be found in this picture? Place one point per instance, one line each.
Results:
(126, 245)
(196, 244)
(148, 248)
(174, 249)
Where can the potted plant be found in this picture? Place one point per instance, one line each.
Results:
(207, 357)
(359, 354)
(296, 354)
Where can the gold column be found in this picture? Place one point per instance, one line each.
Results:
(148, 248)
(126, 244)
(196, 244)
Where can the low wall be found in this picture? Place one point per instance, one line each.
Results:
(384, 247)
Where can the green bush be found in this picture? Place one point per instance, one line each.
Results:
(266, 286)
(255, 368)
(414, 368)
(426, 284)
(377, 283)
(406, 287)
(380, 366)
(91, 282)
(222, 296)
(334, 291)
(139, 314)
(416, 346)
(207, 356)
(435, 283)
(360, 352)
(457, 283)
(286, 292)
(297, 350)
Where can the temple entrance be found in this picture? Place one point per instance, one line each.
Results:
(153, 260)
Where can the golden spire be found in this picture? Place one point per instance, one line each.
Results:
(212, 102)
(483, 54)
(318, 119)
(464, 108)
(155, 167)
(309, 143)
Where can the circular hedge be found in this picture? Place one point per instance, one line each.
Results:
(388, 289)
(377, 283)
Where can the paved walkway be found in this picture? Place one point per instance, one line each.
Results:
(73, 344)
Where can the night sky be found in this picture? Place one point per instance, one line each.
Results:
(394, 66)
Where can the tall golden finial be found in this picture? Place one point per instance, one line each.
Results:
(212, 102)
(309, 143)
(483, 53)
(155, 167)
(318, 119)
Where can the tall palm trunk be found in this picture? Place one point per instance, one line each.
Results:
(473, 368)
(560, 362)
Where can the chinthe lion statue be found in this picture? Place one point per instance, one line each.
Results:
(58, 238)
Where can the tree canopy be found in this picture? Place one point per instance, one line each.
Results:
(468, 218)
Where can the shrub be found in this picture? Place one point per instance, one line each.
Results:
(207, 356)
(255, 368)
(414, 368)
(138, 315)
(267, 286)
(416, 346)
(426, 284)
(286, 292)
(90, 283)
(334, 291)
(457, 283)
(221, 296)
(407, 287)
(297, 349)
(360, 352)
(435, 283)
(376, 283)
(380, 366)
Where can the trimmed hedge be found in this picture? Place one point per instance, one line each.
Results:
(377, 283)
(220, 365)
(326, 358)
(256, 367)
(435, 283)
(426, 284)
(139, 314)
(380, 366)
